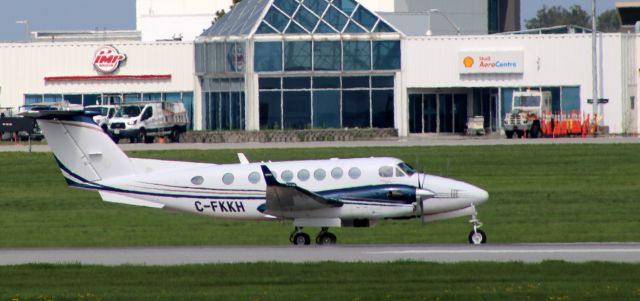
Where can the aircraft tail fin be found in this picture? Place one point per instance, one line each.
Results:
(83, 151)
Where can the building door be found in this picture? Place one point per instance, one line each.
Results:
(445, 103)
(459, 112)
(430, 113)
(423, 113)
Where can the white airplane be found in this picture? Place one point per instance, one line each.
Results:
(316, 193)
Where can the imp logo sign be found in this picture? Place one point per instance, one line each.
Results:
(107, 59)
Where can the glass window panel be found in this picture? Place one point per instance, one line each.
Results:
(355, 109)
(293, 83)
(269, 83)
(295, 28)
(354, 173)
(571, 99)
(187, 99)
(152, 97)
(347, 6)
(303, 175)
(199, 53)
(352, 27)
(236, 111)
(225, 110)
(319, 174)
(327, 55)
(386, 55)
(74, 99)
(336, 173)
(268, 56)
(171, 97)
(52, 97)
(415, 113)
(446, 113)
(336, 18)
(31, 99)
(317, 6)
(352, 82)
(306, 19)
(296, 109)
(270, 110)
(326, 82)
(287, 176)
(324, 28)
(326, 109)
(214, 111)
(357, 55)
(297, 56)
(265, 29)
(382, 109)
(383, 27)
(382, 82)
(136, 97)
(90, 99)
(276, 19)
(231, 58)
(215, 57)
(288, 6)
(365, 17)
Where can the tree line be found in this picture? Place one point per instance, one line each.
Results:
(575, 15)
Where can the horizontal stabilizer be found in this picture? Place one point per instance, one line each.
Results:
(290, 197)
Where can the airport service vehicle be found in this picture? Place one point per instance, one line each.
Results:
(103, 114)
(528, 108)
(314, 193)
(144, 121)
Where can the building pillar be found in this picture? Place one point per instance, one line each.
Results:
(401, 112)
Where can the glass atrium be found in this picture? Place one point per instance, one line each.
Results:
(298, 64)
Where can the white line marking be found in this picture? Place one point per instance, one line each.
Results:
(505, 251)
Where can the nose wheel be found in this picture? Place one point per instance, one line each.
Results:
(476, 236)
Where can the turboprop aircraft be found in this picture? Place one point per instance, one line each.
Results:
(315, 193)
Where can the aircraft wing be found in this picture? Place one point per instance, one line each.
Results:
(290, 197)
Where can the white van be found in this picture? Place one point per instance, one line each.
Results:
(142, 122)
(103, 114)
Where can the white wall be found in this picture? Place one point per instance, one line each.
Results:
(25, 65)
(549, 60)
(162, 19)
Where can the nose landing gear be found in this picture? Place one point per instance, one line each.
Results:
(476, 236)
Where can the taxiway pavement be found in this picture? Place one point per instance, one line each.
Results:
(531, 253)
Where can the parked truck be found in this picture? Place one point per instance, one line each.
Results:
(528, 109)
(144, 122)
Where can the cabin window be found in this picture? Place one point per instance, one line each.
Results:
(303, 175)
(399, 173)
(354, 173)
(287, 176)
(254, 177)
(407, 168)
(386, 171)
(336, 173)
(319, 174)
(228, 179)
(197, 180)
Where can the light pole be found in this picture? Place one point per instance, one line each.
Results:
(594, 62)
(437, 11)
(26, 25)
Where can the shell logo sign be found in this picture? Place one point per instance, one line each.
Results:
(107, 59)
(468, 62)
(491, 62)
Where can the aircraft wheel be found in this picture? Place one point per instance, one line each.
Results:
(477, 237)
(301, 239)
(326, 238)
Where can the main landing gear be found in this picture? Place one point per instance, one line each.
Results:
(476, 236)
(300, 238)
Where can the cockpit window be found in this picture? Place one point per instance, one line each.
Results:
(407, 168)
(386, 171)
(399, 173)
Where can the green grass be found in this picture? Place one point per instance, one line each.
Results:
(539, 193)
(551, 281)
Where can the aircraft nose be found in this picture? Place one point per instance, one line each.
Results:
(479, 195)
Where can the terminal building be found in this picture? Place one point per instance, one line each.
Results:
(422, 67)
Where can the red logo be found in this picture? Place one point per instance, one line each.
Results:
(107, 59)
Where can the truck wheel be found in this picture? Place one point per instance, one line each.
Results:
(175, 135)
(115, 140)
(509, 134)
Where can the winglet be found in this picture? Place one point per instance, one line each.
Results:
(268, 176)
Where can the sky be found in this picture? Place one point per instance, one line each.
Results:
(47, 15)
